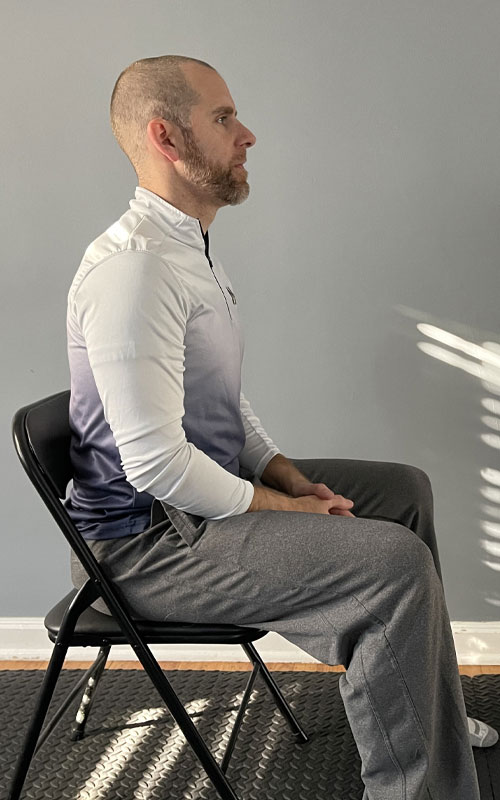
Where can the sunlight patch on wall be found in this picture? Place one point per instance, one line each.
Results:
(482, 361)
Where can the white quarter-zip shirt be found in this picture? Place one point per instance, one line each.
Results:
(155, 350)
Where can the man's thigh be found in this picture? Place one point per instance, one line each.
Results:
(379, 489)
(382, 490)
(290, 572)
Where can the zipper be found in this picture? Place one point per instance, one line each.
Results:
(212, 268)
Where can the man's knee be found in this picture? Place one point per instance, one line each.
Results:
(413, 483)
(404, 554)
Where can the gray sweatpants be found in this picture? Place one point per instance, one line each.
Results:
(364, 592)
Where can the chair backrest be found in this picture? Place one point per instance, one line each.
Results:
(45, 425)
(42, 438)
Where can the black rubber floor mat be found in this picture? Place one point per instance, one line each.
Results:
(133, 750)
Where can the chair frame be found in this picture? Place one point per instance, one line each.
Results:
(45, 456)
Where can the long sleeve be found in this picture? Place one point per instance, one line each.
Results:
(132, 312)
(259, 448)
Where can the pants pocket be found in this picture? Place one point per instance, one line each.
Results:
(189, 526)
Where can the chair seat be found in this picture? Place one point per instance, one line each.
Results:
(93, 628)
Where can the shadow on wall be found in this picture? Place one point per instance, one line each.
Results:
(483, 362)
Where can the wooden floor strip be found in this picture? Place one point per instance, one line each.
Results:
(229, 666)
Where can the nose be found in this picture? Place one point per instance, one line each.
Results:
(246, 137)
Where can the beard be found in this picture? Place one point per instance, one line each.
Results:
(219, 182)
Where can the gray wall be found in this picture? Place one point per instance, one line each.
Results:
(366, 258)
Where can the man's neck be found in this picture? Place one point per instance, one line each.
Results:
(192, 206)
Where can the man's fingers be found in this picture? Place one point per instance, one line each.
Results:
(343, 501)
(341, 506)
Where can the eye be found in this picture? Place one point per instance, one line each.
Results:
(221, 118)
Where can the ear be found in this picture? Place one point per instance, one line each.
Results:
(163, 136)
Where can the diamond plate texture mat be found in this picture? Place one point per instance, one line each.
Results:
(133, 749)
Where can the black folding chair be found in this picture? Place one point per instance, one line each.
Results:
(42, 436)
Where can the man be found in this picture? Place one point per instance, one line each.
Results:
(161, 427)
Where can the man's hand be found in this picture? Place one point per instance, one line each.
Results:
(284, 477)
(303, 488)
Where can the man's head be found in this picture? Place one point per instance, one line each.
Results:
(164, 116)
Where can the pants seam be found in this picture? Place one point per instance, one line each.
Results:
(416, 714)
(386, 740)
(407, 692)
(417, 717)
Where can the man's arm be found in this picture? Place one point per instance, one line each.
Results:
(282, 475)
(262, 457)
(297, 492)
(259, 448)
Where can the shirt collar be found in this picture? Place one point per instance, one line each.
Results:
(178, 224)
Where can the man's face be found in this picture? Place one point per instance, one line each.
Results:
(217, 141)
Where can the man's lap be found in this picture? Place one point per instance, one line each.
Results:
(251, 562)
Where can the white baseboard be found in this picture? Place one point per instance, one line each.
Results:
(25, 638)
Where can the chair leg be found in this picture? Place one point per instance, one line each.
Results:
(63, 707)
(84, 597)
(283, 706)
(180, 715)
(33, 732)
(239, 718)
(93, 677)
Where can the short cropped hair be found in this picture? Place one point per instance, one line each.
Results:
(149, 88)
